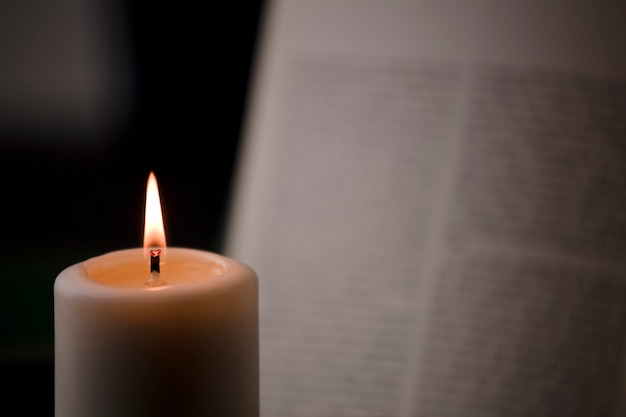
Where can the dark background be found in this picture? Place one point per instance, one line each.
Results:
(70, 193)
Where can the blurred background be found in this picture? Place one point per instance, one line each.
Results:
(93, 95)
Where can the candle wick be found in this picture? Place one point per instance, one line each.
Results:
(155, 269)
(155, 260)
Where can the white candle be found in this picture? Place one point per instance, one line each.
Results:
(185, 344)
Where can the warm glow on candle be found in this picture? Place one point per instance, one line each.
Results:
(153, 233)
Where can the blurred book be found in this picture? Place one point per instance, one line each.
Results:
(432, 193)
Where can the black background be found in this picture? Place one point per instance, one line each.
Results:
(190, 63)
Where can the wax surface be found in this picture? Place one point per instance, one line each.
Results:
(131, 269)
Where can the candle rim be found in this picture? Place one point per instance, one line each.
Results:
(75, 280)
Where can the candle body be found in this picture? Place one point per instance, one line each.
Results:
(186, 348)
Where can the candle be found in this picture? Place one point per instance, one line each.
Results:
(156, 331)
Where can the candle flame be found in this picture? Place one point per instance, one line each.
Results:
(153, 232)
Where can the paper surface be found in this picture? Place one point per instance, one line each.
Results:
(432, 194)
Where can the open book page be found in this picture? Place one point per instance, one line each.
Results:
(433, 196)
